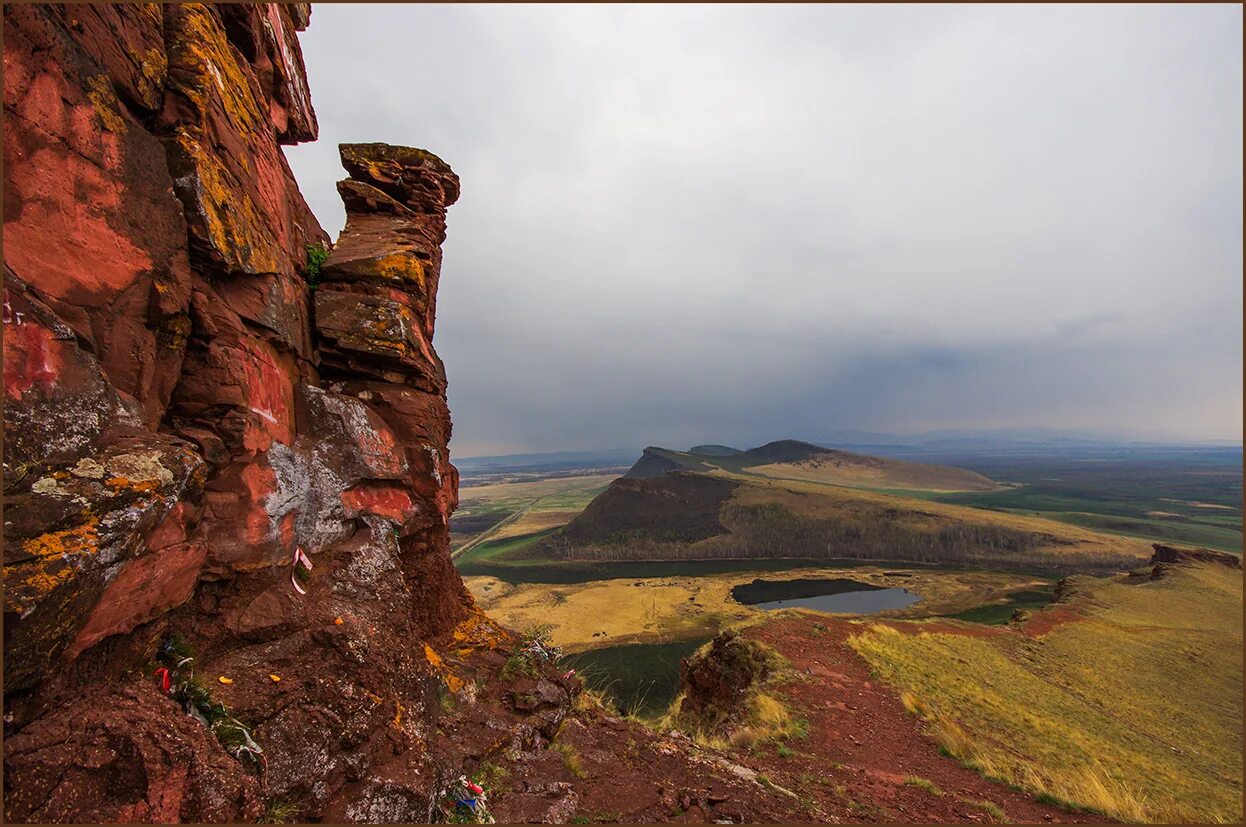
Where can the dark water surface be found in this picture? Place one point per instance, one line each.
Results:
(824, 595)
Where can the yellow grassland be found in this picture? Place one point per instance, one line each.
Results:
(833, 501)
(877, 473)
(1134, 711)
(611, 612)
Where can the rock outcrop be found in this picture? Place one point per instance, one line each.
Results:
(1165, 557)
(193, 396)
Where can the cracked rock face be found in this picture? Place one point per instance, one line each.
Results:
(187, 403)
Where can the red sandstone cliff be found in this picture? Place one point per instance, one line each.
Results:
(184, 410)
(191, 397)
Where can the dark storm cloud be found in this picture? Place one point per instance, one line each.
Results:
(682, 224)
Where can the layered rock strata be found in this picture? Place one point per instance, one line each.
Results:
(191, 396)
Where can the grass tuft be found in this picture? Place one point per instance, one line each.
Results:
(923, 783)
(280, 811)
(570, 758)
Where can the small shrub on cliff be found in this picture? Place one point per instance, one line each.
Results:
(534, 649)
(317, 255)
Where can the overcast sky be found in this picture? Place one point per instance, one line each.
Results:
(735, 224)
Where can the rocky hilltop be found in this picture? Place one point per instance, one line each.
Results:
(228, 593)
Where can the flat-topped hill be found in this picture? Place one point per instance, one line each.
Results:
(796, 460)
(688, 515)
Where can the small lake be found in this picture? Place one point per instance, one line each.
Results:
(823, 595)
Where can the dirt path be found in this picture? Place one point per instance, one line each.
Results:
(866, 758)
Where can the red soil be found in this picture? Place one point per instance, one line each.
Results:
(863, 744)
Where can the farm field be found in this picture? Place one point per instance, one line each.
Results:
(504, 514)
(1192, 497)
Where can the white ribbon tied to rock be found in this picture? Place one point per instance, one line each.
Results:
(299, 557)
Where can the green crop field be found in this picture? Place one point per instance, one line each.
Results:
(1191, 497)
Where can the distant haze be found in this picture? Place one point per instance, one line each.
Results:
(689, 224)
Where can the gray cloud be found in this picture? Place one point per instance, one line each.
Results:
(738, 223)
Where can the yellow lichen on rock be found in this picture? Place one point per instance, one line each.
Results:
(104, 102)
(235, 226)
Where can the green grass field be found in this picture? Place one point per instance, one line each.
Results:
(995, 614)
(640, 678)
(505, 550)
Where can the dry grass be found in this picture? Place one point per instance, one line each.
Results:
(661, 609)
(570, 758)
(1134, 712)
(592, 700)
(924, 784)
(814, 500)
(877, 472)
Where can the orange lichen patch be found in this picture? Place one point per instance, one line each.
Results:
(204, 47)
(118, 483)
(24, 585)
(153, 65)
(401, 267)
(477, 631)
(104, 102)
(397, 715)
(69, 542)
(453, 682)
(27, 582)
